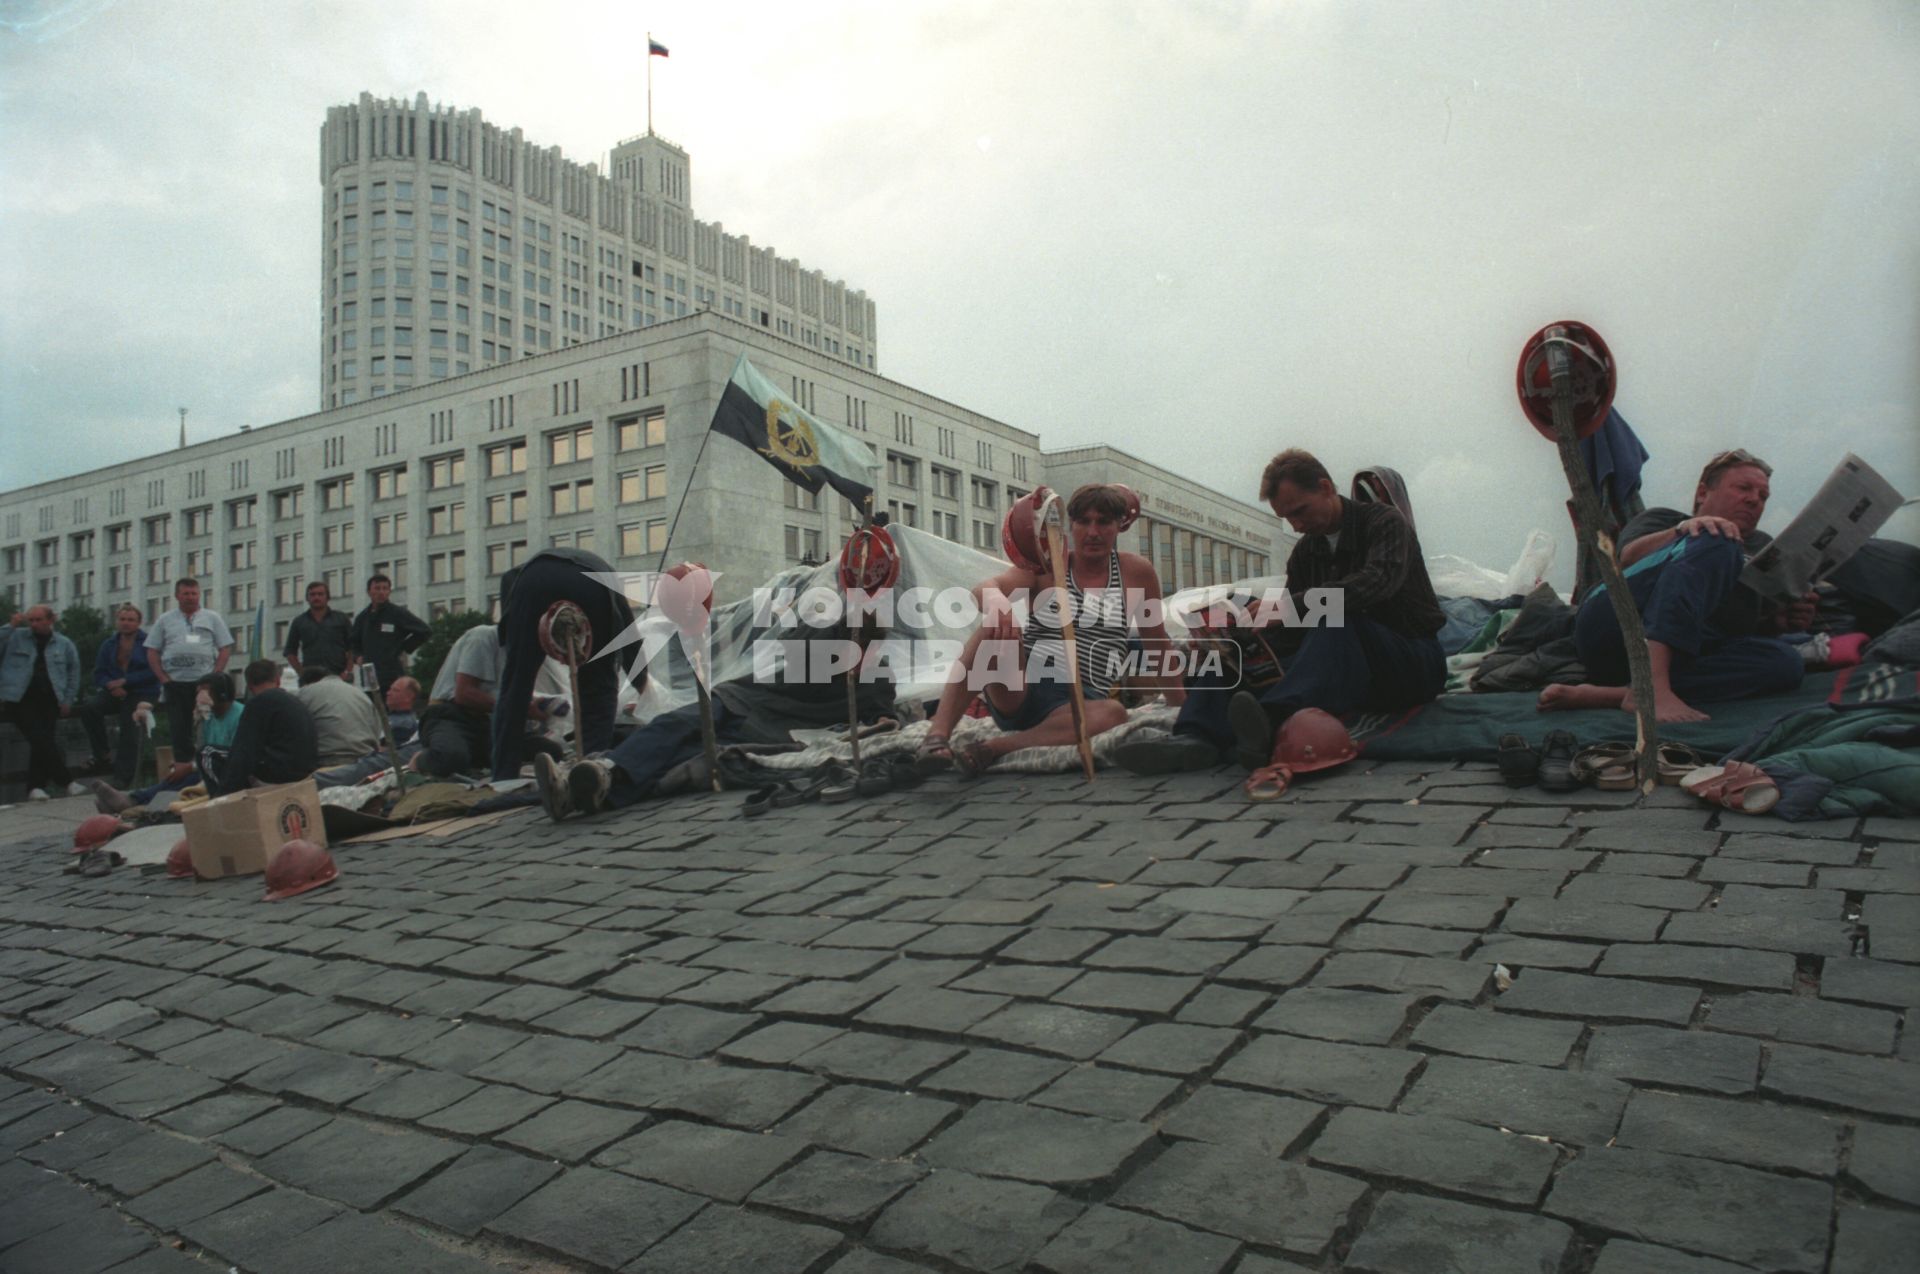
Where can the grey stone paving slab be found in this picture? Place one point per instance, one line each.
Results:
(1239, 1192)
(1321, 1071)
(686, 1030)
(1712, 966)
(1415, 1234)
(1172, 1048)
(202, 1192)
(486, 1110)
(1763, 933)
(366, 1242)
(883, 1059)
(1438, 911)
(1801, 1019)
(1507, 1037)
(475, 1188)
(1236, 1116)
(250, 1231)
(1587, 919)
(1354, 1017)
(83, 1245)
(571, 1131)
(995, 1072)
(1874, 1239)
(272, 1130)
(1886, 1160)
(1036, 1144)
(931, 1009)
(719, 1163)
(141, 1164)
(1698, 1205)
(1274, 966)
(1153, 993)
(732, 1239)
(604, 1218)
(875, 1122)
(214, 1115)
(1757, 1134)
(1624, 1256)
(1440, 1154)
(1105, 1239)
(1569, 1106)
(843, 1189)
(1875, 1085)
(977, 1223)
(1865, 981)
(1380, 971)
(412, 1094)
(1053, 1028)
(1547, 991)
(1676, 1059)
(1109, 1092)
(359, 1163)
(1406, 940)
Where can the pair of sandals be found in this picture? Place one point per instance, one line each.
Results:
(937, 755)
(1562, 765)
(1740, 786)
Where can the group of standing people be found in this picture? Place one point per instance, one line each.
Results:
(179, 667)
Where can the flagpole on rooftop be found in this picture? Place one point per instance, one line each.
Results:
(650, 85)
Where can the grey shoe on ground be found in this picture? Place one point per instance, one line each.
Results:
(1158, 752)
(107, 798)
(554, 795)
(588, 783)
(1252, 730)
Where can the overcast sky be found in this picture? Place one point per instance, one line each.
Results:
(1199, 231)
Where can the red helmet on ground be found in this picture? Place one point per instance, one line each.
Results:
(684, 594)
(566, 624)
(869, 561)
(1590, 370)
(96, 830)
(1312, 739)
(1019, 536)
(180, 861)
(297, 866)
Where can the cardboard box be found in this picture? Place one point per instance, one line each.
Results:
(235, 835)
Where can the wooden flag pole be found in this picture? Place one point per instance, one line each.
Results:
(1053, 530)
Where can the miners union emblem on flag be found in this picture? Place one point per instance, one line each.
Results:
(808, 452)
(789, 437)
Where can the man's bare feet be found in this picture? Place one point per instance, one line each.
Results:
(1670, 708)
(1558, 698)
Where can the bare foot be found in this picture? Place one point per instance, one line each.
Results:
(1670, 708)
(1559, 698)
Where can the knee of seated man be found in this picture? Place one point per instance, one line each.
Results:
(1780, 669)
(1721, 551)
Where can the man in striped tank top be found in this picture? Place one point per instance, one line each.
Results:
(1022, 674)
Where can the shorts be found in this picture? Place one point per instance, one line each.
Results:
(1042, 700)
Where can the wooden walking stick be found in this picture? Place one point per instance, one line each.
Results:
(1050, 523)
(1566, 383)
(869, 563)
(370, 683)
(567, 635)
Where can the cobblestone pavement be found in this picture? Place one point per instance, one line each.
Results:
(1022, 1024)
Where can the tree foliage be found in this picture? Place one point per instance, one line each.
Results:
(86, 627)
(425, 664)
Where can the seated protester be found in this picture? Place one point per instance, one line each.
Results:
(666, 755)
(216, 719)
(344, 722)
(456, 728)
(122, 680)
(1111, 594)
(1386, 655)
(275, 742)
(1709, 639)
(402, 697)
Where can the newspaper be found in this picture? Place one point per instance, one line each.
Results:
(1850, 506)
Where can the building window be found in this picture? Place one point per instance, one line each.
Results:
(986, 495)
(571, 497)
(500, 557)
(336, 493)
(446, 568)
(159, 570)
(803, 544)
(903, 471)
(446, 471)
(286, 504)
(566, 446)
(389, 484)
(637, 538)
(199, 522)
(82, 546)
(506, 507)
(798, 497)
(447, 519)
(946, 525)
(119, 538)
(240, 556)
(290, 547)
(946, 482)
(986, 535)
(337, 538)
(506, 458)
(159, 530)
(389, 528)
(903, 514)
(641, 431)
(241, 598)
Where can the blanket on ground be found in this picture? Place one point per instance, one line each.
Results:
(1842, 760)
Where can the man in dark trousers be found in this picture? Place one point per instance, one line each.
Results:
(385, 631)
(320, 636)
(549, 576)
(276, 742)
(123, 680)
(1384, 656)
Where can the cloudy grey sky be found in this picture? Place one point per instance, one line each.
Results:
(1199, 230)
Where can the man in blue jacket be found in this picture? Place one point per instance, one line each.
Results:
(122, 679)
(39, 685)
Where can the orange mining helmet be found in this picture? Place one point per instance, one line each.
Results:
(1590, 377)
(565, 624)
(297, 866)
(1312, 739)
(96, 830)
(1019, 536)
(869, 561)
(180, 861)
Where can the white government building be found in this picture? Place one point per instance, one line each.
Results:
(584, 432)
